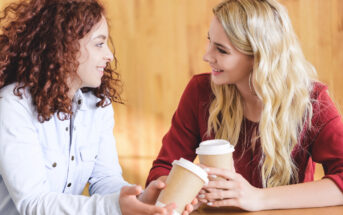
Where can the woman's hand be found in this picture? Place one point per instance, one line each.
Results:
(130, 205)
(151, 193)
(233, 191)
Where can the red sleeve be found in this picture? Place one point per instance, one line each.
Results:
(327, 148)
(183, 135)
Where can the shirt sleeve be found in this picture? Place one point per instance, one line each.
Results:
(183, 135)
(23, 171)
(328, 145)
(107, 174)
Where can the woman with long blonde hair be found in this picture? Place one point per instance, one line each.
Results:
(263, 96)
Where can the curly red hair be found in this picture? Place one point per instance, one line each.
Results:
(39, 47)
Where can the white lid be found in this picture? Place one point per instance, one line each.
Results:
(215, 147)
(193, 168)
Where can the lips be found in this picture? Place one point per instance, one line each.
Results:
(101, 69)
(217, 70)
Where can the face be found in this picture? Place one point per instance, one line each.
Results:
(94, 55)
(229, 66)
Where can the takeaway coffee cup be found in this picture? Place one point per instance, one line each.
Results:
(216, 153)
(184, 182)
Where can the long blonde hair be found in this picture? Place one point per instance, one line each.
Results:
(282, 79)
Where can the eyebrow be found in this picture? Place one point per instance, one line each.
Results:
(101, 36)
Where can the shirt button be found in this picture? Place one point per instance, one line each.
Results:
(74, 128)
(72, 157)
(79, 101)
(67, 128)
(54, 164)
(69, 185)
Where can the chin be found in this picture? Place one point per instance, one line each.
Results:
(219, 80)
(93, 85)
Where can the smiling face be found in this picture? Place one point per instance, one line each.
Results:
(93, 57)
(229, 66)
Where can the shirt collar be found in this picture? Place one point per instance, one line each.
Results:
(79, 100)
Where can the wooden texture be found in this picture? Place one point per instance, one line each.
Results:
(159, 45)
(338, 210)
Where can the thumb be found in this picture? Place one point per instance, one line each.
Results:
(131, 190)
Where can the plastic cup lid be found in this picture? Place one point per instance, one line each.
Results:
(215, 147)
(193, 168)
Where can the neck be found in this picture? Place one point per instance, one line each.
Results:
(74, 85)
(71, 93)
(252, 105)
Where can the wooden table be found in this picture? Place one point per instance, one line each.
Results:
(337, 210)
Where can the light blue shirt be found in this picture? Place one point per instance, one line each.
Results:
(44, 167)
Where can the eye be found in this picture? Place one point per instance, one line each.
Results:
(221, 51)
(100, 44)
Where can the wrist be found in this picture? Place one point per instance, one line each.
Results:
(262, 199)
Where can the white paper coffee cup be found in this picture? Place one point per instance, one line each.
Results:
(183, 183)
(216, 153)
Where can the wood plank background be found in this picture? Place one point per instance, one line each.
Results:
(160, 43)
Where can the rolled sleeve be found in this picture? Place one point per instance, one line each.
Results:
(328, 150)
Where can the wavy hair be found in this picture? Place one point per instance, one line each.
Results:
(39, 43)
(282, 79)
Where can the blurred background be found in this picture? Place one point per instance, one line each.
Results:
(159, 45)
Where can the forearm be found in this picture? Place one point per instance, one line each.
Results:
(58, 203)
(312, 194)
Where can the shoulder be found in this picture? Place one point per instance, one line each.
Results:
(7, 96)
(318, 89)
(203, 80)
(324, 109)
(13, 107)
(200, 84)
(7, 91)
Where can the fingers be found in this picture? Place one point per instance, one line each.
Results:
(158, 184)
(162, 178)
(226, 202)
(195, 201)
(146, 209)
(219, 195)
(131, 190)
(222, 184)
(224, 173)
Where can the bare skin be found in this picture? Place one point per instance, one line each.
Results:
(237, 192)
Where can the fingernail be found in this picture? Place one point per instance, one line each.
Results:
(202, 200)
(213, 176)
(210, 204)
(201, 196)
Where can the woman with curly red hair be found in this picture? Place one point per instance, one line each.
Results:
(56, 118)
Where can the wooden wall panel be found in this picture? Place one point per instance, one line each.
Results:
(159, 45)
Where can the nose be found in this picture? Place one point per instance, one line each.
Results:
(108, 55)
(208, 56)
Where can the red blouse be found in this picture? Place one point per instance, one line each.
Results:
(323, 143)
